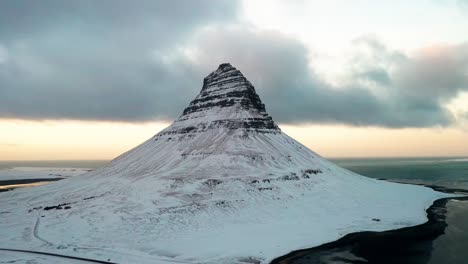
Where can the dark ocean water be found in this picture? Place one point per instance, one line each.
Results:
(447, 172)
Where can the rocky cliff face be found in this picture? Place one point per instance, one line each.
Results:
(228, 100)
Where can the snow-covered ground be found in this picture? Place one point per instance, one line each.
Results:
(33, 258)
(223, 184)
(172, 221)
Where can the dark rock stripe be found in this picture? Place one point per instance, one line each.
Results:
(226, 88)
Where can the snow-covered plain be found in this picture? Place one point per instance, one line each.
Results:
(222, 184)
(23, 173)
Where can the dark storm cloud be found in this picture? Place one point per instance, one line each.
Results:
(117, 60)
(101, 60)
(24, 17)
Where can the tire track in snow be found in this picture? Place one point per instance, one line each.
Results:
(36, 231)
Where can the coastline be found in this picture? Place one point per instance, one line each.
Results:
(9, 185)
(413, 244)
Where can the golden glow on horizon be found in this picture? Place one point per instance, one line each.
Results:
(85, 140)
(70, 140)
(345, 141)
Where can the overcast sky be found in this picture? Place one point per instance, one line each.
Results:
(360, 63)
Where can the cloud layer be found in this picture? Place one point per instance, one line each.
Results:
(105, 60)
(113, 60)
(385, 88)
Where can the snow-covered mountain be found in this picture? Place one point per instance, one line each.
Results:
(222, 184)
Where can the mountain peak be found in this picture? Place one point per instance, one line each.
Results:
(225, 65)
(226, 100)
(225, 71)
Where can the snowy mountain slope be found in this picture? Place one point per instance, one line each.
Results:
(222, 184)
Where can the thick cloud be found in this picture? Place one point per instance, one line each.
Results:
(101, 60)
(114, 60)
(385, 88)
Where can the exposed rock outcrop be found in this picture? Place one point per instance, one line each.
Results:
(227, 99)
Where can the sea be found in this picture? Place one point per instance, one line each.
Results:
(91, 164)
(451, 172)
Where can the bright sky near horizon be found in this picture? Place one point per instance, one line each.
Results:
(346, 78)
